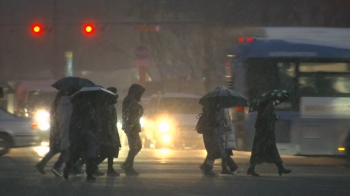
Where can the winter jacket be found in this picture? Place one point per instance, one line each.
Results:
(225, 128)
(83, 129)
(64, 113)
(132, 111)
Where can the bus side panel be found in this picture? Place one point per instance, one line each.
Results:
(322, 136)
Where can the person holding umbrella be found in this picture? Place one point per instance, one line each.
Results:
(264, 144)
(108, 137)
(216, 127)
(83, 129)
(55, 140)
(132, 112)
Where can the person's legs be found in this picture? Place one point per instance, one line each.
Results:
(111, 171)
(135, 146)
(91, 168)
(40, 166)
(61, 159)
(207, 167)
(224, 165)
(70, 163)
(251, 170)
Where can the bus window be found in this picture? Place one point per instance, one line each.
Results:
(261, 77)
(265, 75)
(320, 86)
(324, 67)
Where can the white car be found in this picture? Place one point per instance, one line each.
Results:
(170, 119)
(16, 132)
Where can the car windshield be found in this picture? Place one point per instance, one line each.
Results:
(179, 105)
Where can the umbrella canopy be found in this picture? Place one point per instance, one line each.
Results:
(278, 96)
(72, 83)
(224, 97)
(96, 90)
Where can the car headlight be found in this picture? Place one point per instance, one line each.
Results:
(42, 118)
(164, 126)
(166, 138)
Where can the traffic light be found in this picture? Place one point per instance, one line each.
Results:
(89, 29)
(37, 29)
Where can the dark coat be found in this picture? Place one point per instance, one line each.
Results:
(55, 139)
(108, 136)
(213, 140)
(83, 129)
(264, 145)
(64, 114)
(132, 111)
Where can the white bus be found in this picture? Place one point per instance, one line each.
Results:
(313, 64)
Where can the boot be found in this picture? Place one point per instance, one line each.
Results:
(282, 170)
(40, 168)
(90, 178)
(225, 170)
(207, 170)
(251, 171)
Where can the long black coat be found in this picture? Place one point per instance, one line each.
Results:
(55, 138)
(264, 145)
(83, 129)
(132, 111)
(108, 136)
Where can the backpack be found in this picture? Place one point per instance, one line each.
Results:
(205, 123)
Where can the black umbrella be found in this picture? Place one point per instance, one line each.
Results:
(224, 97)
(72, 82)
(99, 92)
(278, 96)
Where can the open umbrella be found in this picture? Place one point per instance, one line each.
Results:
(224, 97)
(72, 82)
(278, 96)
(97, 90)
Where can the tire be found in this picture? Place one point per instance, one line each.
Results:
(5, 144)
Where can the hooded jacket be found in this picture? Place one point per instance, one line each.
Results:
(132, 111)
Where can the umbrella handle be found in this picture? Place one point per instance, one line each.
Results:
(226, 125)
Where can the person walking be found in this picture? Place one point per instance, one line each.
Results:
(82, 136)
(225, 127)
(132, 111)
(211, 137)
(55, 140)
(264, 144)
(108, 137)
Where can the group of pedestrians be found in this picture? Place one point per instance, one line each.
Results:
(83, 130)
(216, 127)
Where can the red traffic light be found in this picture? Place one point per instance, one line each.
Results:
(89, 29)
(37, 29)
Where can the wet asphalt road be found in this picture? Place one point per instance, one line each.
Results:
(175, 172)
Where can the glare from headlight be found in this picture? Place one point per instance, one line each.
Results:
(119, 125)
(166, 138)
(44, 126)
(164, 126)
(42, 118)
(142, 121)
(42, 115)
